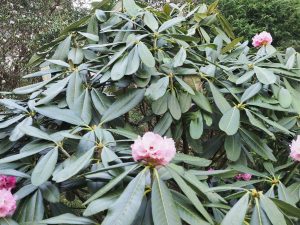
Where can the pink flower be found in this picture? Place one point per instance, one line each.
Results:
(243, 176)
(295, 149)
(7, 182)
(7, 203)
(153, 149)
(262, 39)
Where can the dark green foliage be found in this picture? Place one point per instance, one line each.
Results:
(279, 17)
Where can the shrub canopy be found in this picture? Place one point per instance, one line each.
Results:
(180, 73)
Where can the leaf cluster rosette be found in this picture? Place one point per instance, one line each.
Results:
(178, 72)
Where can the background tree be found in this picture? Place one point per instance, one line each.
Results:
(25, 26)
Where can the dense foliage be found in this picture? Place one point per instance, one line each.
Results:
(180, 72)
(251, 16)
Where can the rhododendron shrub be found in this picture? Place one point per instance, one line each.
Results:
(134, 105)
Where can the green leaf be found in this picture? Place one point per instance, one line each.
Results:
(163, 124)
(219, 99)
(59, 63)
(170, 23)
(202, 101)
(245, 77)
(123, 104)
(56, 113)
(185, 101)
(119, 68)
(124, 210)
(62, 50)
(179, 58)
(190, 193)
(255, 144)
(92, 37)
(67, 218)
(74, 167)
(44, 168)
(196, 125)
(192, 160)
(76, 55)
(237, 213)
(230, 121)
(185, 86)
(145, 55)
(286, 208)
(232, 45)
(150, 21)
(100, 14)
(50, 192)
(159, 106)
(31, 149)
(233, 147)
(74, 89)
(258, 123)
(111, 184)
(251, 91)
(131, 8)
(264, 76)
(35, 132)
(163, 207)
(158, 89)
(133, 61)
(285, 98)
(273, 213)
(174, 106)
(31, 210)
(7, 221)
(13, 120)
(83, 107)
(101, 204)
(54, 90)
(100, 101)
(187, 211)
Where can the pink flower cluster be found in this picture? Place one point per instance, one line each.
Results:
(7, 200)
(295, 149)
(153, 149)
(262, 39)
(243, 176)
(7, 182)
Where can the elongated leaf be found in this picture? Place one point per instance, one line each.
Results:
(126, 207)
(163, 124)
(44, 168)
(150, 21)
(170, 23)
(185, 85)
(265, 76)
(285, 98)
(31, 149)
(237, 213)
(101, 204)
(233, 146)
(230, 121)
(163, 207)
(158, 89)
(192, 160)
(190, 193)
(180, 57)
(35, 132)
(145, 55)
(67, 219)
(74, 167)
(111, 184)
(174, 106)
(132, 8)
(11, 121)
(273, 213)
(122, 105)
(219, 99)
(56, 113)
(196, 126)
(251, 91)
